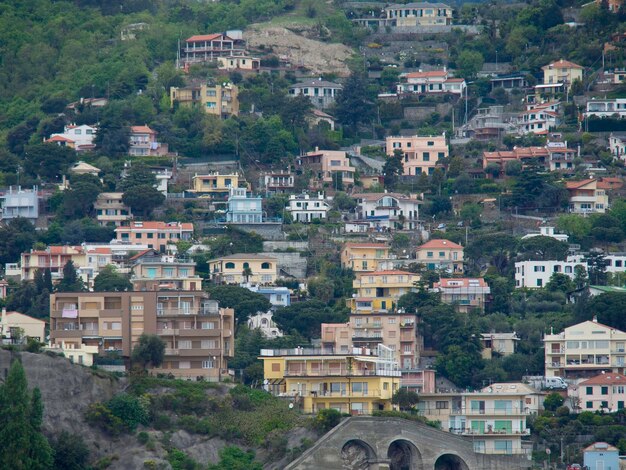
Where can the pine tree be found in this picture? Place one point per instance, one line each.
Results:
(70, 282)
(40, 450)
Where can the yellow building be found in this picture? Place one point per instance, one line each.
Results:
(364, 257)
(562, 72)
(15, 327)
(441, 254)
(76, 353)
(379, 291)
(244, 268)
(238, 62)
(220, 100)
(359, 382)
(214, 183)
(418, 14)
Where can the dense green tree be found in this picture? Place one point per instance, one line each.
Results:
(353, 106)
(306, 317)
(405, 399)
(48, 161)
(459, 366)
(242, 300)
(560, 282)
(70, 282)
(469, 63)
(609, 308)
(149, 351)
(70, 452)
(596, 268)
(234, 458)
(143, 199)
(137, 175)
(496, 249)
(79, 198)
(109, 280)
(542, 248)
(22, 445)
(553, 401)
(393, 169)
(16, 237)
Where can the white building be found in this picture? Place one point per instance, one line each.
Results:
(547, 231)
(263, 321)
(429, 83)
(322, 93)
(389, 210)
(306, 207)
(82, 136)
(617, 145)
(606, 108)
(20, 202)
(110, 209)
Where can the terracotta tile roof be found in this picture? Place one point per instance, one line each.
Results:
(455, 80)
(578, 184)
(100, 251)
(439, 243)
(141, 130)
(605, 379)
(206, 37)
(366, 245)
(141, 253)
(431, 74)
(152, 225)
(377, 196)
(560, 64)
(58, 138)
(244, 256)
(391, 272)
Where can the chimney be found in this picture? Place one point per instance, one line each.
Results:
(595, 319)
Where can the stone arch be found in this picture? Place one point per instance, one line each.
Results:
(404, 455)
(357, 455)
(450, 462)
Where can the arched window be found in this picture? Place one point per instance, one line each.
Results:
(266, 266)
(230, 265)
(246, 265)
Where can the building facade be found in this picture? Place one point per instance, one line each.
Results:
(601, 456)
(328, 166)
(587, 196)
(306, 208)
(604, 393)
(82, 136)
(143, 142)
(441, 254)
(364, 257)
(110, 209)
(16, 328)
(277, 182)
(321, 93)
(214, 184)
(611, 108)
(465, 294)
(18, 202)
(503, 344)
(418, 14)
(199, 335)
(419, 154)
(156, 235)
(389, 210)
(218, 99)
(208, 48)
(562, 72)
(153, 271)
(244, 268)
(435, 82)
(244, 208)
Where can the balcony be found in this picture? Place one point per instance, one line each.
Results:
(341, 372)
(497, 412)
(171, 352)
(494, 432)
(407, 324)
(367, 335)
(557, 351)
(173, 312)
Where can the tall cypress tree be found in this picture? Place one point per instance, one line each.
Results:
(22, 445)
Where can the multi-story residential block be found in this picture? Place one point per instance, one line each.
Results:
(156, 235)
(379, 291)
(214, 184)
(606, 108)
(110, 209)
(466, 294)
(328, 166)
(15, 328)
(18, 202)
(587, 196)
(617, 145)
(389, 210)
(153, 271)
(322, 93)
(561, 74)
(494, 418)
(359, 382)
(143, 142)
(419, 154)
(81, 137)
(307, 207)
(277, 182)
(209, 47)
(218, 99)
(604, 393)
(585, 350)
(441, 254)
(430, 83)
(364, 257)
(602, 455)
(199, 335)
(244, 268)
(418, 14)
(537, 121)
(244, 208)
(503, 344)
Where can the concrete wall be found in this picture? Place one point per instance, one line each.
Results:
(383, 443)
(282, 246)
(291, 263)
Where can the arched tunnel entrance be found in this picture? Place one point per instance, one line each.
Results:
(450, 462)
(356, 455)
(403, 455)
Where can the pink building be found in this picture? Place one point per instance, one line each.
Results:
(325, 164)
(419, 154)
(143, 142)
(604, 392)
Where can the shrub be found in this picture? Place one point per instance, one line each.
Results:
(100, 415)
(181, 461)
(70, 452)
(327, 419)
(129, 410)
(161, 422)
(143, 438)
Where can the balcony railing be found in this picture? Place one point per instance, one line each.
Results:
(342, 372)
(163, 312)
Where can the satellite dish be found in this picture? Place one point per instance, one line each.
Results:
(290, 406)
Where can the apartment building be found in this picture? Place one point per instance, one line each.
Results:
(419, 154)
(244, 208)
(306, 208)
(321, 93)
(417, 14)
(215, 184)
(143, 142)
(466, 294)
(494, 417)
(606, 108)
(587, 196)
(110, 209)
(153, 271)
(585, 350)
(503, 344)
(379, 291)
(18, 202)
(277, 182)
(364, 257)
(15, 328)
(604, 393)
(218, 99)
(199, 335)
(209, 47)
(537, 121)
(561, 74)
(547, 231)
(435, 82)
(328, 166)
(81, 136)
(156, 235)
(277, 295)
(441, 254)
(244, 268)
(389, 210)
(359, 382)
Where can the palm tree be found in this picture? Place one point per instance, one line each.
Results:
(247, 272)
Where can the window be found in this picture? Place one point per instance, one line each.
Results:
(207, 364)
(426, 156)
(604, 390)
(184, 344)
(359, 387)
(429, 254)
(442, 254)
(442, 405)
(392, 320)
(266, 266)
(505, 447)
(479, 446)
(589, 390)
(589, 405)
(604, 404)
(229, 265)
